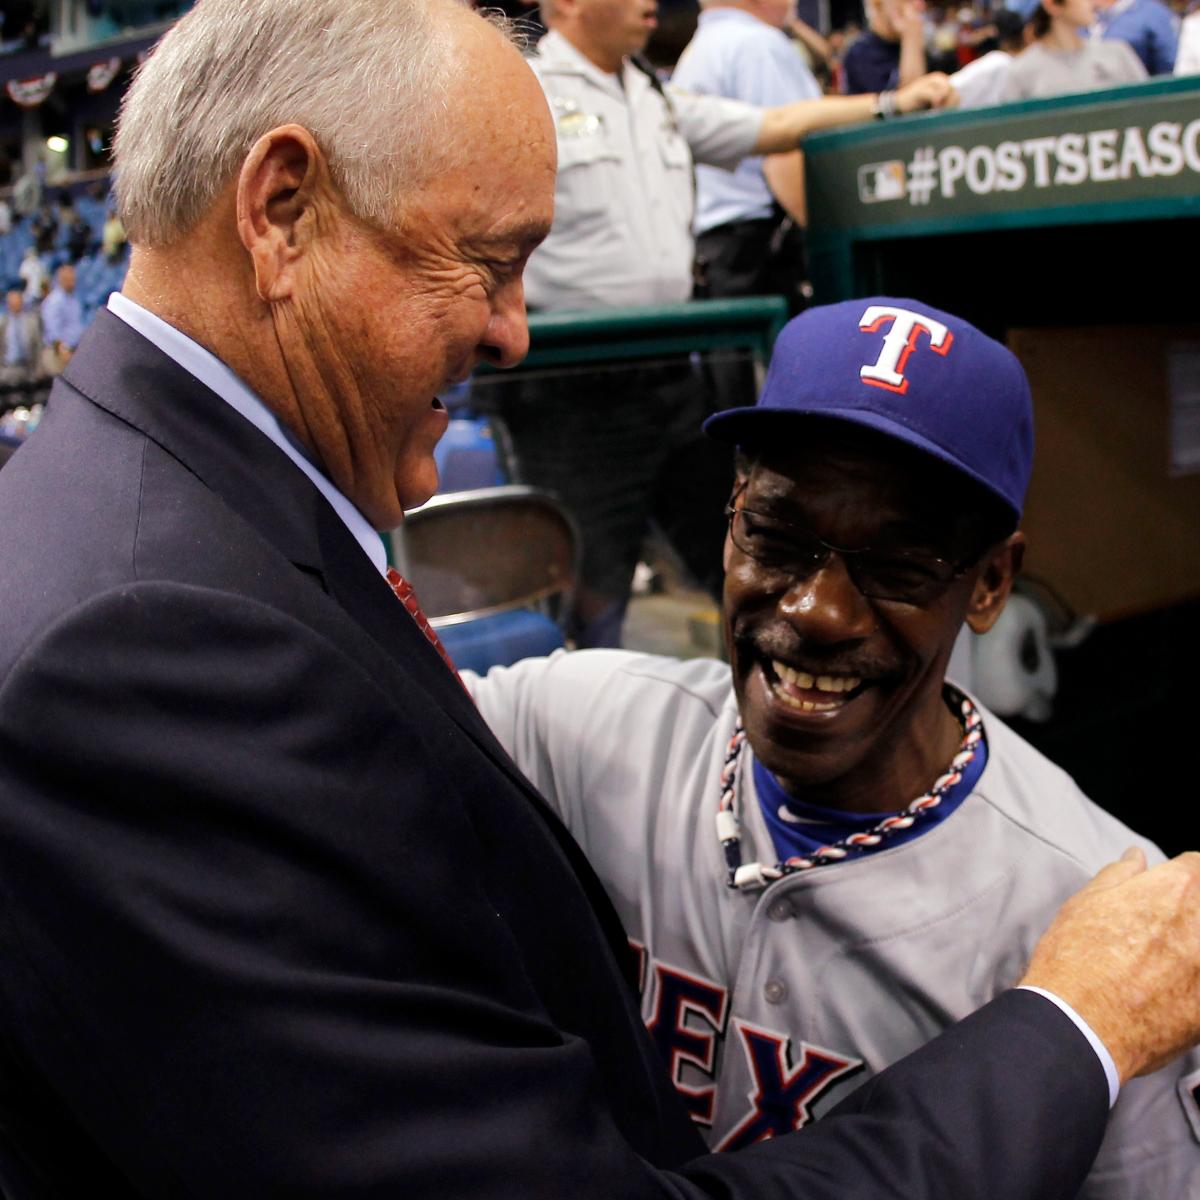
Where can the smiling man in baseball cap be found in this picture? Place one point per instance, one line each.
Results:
(823, 851)
(881, 482)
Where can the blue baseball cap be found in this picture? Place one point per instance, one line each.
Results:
(906, 370)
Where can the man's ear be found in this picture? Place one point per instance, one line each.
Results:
(998, 569)
(283, 177)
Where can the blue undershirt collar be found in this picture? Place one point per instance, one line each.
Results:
(812, 827)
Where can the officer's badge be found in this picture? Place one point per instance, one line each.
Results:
(572, 122)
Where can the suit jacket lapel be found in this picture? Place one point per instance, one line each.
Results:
(129, 377)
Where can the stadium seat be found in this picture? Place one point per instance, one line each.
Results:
(466, 457)
(494, 569)
(501, 639)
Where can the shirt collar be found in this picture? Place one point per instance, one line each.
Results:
(713, 16)
(562, 56)
(218, 378)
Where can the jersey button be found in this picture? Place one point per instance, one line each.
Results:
(775, 991)
(781, 910)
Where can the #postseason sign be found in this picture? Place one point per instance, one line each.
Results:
(1146, 147)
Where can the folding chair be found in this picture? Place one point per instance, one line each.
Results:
(494, 569)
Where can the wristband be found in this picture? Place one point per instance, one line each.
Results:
(884, 106)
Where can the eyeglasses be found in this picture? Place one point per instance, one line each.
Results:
(909, 576)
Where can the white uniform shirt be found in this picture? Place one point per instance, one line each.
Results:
(772, 1005)
(624, 196)
(982, 82)
(1187, 61)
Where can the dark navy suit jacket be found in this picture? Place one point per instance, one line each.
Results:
(279, 917)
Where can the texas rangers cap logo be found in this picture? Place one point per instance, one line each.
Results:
(905, 329)
(909, 372)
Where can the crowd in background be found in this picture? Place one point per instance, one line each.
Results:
(991, 52)
(59, 257)
(914, 37)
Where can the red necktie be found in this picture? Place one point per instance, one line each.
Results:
(408, 597)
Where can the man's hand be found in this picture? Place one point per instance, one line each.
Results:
(1125, 954)
(930, 91)
(909, 20)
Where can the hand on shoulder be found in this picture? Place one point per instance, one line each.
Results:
(1124, 952)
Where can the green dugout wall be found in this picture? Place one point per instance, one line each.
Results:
(1079, 208)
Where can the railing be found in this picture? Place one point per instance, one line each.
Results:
(616, 334)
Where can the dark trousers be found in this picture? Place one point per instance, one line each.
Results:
(749, 258)
(621, 446)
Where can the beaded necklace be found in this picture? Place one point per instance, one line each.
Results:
(751, 875)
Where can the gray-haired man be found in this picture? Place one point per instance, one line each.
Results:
(278, 917)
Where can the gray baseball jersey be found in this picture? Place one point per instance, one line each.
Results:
(770, 1005)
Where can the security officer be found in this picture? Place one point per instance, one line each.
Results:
(622, 445)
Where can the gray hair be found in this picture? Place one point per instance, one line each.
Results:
(368, 78)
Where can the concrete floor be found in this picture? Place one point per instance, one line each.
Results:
(679, 622)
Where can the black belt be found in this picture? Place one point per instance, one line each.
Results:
(746, 226)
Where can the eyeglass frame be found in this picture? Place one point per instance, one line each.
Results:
(848, 556)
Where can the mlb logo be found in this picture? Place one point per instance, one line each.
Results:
(881, 181)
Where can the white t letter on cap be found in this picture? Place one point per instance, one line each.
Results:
(888, 369)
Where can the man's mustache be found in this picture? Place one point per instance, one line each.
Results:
(782, 643)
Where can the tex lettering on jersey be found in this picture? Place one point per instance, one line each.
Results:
(689, 1016)
(687, 1023)
(905, 328)
(785, 1089)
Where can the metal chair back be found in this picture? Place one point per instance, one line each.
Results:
(475, 553)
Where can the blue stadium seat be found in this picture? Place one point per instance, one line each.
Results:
(494, 570)
(500, 640)
(466, 457)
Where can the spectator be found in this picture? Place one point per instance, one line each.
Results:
(749, 221)
(66, 208)
(1062, 59)
(983, 81)
(27, 194)
(45, 230)
(941, 50)
(840, 41)
(20, 339)
(33, 271)
(62, 321)
(1187, 61)
(6, 215)
(112, 237)
(815, 50)
(1148, 26)
(892, 51)
(79, 238)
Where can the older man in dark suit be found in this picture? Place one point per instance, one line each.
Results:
(277, 915)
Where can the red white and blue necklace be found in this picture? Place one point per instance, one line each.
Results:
(758, 875)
